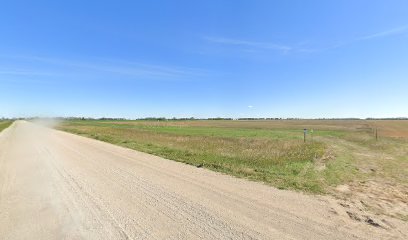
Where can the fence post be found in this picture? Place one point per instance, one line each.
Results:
(304, 135)
(311, 134)
(376, 134)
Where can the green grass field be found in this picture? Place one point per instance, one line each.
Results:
(269, 151)
(4, 125)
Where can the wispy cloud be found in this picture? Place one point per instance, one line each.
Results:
(24, 72)
(256, 47)
(105, 66)
(252, 44)
(121, 66)
(387, 33)
(383, 34)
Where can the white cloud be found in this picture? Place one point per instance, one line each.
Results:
(24, 72)
(382, 34)
(113, 66)
(390, 32)
(253, 44)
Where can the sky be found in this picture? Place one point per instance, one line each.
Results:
(214, 58)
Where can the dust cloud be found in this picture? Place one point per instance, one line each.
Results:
(46, 122)
(37, 128)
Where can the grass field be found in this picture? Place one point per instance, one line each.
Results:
(4, 125)
(268, 151)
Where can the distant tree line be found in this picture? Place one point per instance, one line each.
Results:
(192, 119)
(257, 119)
(398, 118)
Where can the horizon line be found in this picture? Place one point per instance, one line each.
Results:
(207, 118)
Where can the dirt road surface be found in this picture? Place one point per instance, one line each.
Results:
(55, 185)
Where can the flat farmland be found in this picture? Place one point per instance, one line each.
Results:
(340, 157)
(82, 188)
(347, 183)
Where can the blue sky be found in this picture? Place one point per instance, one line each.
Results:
(135, 59)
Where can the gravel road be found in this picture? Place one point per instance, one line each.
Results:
(55, 185)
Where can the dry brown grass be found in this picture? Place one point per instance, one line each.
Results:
(391, 128)
(261, 124)
(344, 152)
